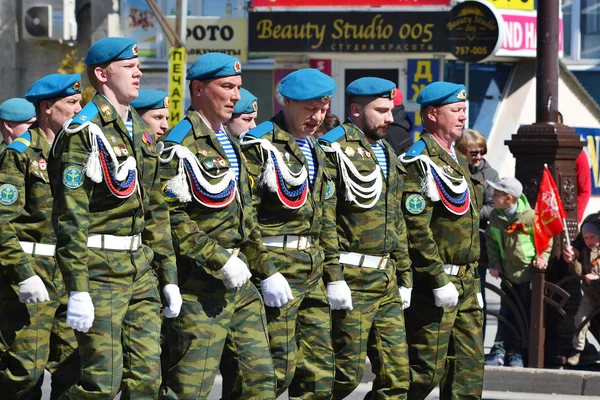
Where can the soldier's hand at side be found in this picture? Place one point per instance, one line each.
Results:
(235, 273)
(540, 264)
(495, 272)
(590, 277)
(276, 290)
(174, 300)
(80, 311)
(339, 295)
(570, 254)
(446, 296)
(405, 295)
(32, 290)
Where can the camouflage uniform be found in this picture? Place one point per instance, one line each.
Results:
(33, 333)
(299, 331)
(194, 342)
(379, 230)
(443, 339)
(121, 350)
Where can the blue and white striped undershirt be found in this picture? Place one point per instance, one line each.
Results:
(129, 124)
(381, 157)
(229, 152)
(306, 148)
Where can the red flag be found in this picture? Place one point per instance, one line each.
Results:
(549, 213)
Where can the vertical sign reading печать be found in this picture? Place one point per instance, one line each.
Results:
(176, 84)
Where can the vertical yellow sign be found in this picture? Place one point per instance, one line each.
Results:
(176, 84)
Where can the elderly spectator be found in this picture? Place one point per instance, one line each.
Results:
(473, 145)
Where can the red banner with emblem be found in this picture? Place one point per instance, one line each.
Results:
(549, 213)
(347, 3)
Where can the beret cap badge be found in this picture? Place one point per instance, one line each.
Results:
(237, 67)
(462, 95)
(325, 99)
(166, 102)
(77, 86)
(134, 50)
(255, 106)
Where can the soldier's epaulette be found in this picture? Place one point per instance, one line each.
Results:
(416, 149)
(261, 130)
(21, 143)
(333, 135)
(87, 113)
(179, 131)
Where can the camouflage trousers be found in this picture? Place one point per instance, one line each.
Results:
(36, 337)
(445, 345)
(122, 349)
(375, 327)
(300, 331)
(194, 343)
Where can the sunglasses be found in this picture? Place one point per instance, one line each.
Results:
(475, 153)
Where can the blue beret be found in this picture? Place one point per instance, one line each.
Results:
(16, 110)
(111, 49)
(214, 65)
(440, 93)
(53, 86)
(247, 104)
(150, 99)
(370, 86)
(307, 84)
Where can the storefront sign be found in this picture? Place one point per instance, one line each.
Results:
(140, 25)
(211, 34)
(176, 84)
(322, 65)
(347, 32)
(419, 74)
(474, 31)
(592, 137)
(347, 3)
(513, 4)
(520, 34)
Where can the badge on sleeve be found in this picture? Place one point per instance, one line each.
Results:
(329, 190)
(73, 177)
(415, 204)
(168, 195)
(8, 194)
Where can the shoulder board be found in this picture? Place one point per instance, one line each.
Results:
(261, 130)
(333, 135)
(416, 149)
(21, 143)
(179, 131)
(87, 113)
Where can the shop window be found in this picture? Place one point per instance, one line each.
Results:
(589, 80)
(485, 87)
(590, 28)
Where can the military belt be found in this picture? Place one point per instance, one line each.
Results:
(364, 260)
(456, 270)
(38, 249)
(288, 242)
(112, 242)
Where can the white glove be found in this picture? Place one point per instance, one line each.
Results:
(446, 296)
(32, 290)
(80, 311)
(276, 290)
(339, 296)
(405, 295)
(174, 300)
(480, 300)
(235, 273)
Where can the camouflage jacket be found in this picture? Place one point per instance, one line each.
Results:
(201, 234)
(316, 218)
(437, 236)
(25, 202)
(380, 229)
(83, 207)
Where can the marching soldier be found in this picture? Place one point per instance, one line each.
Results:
(110, 216)
(218, 247)
(31, 287)
(244, 114)
(16, 116)
(295, 202)
(372, 235)
(441, 205)
(153, 107)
